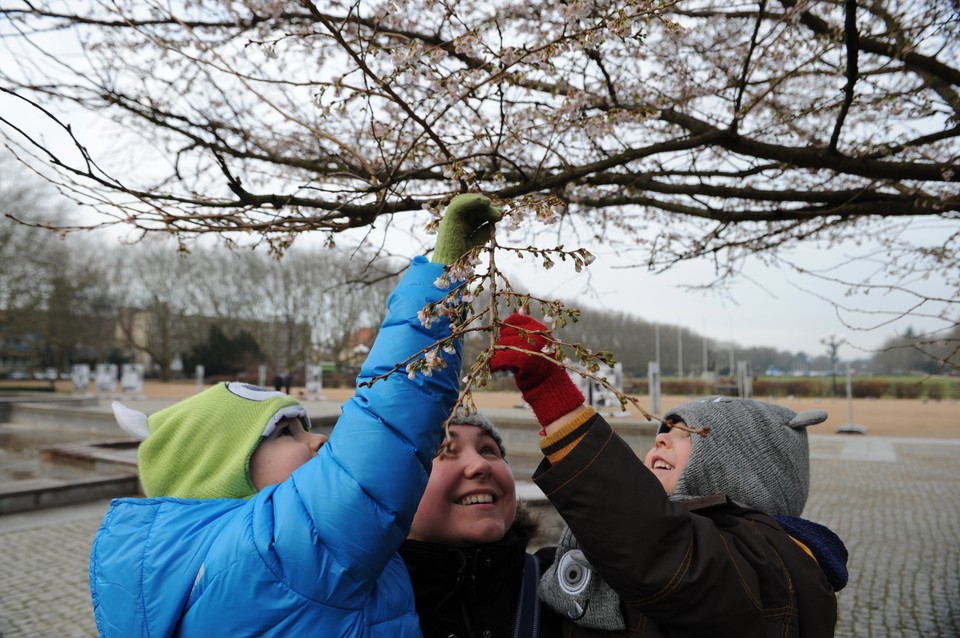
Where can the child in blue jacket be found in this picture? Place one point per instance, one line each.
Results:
(255, 526)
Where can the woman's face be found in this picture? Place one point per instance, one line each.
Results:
(471, 497)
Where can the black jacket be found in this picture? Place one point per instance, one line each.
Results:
(472, 592)
(704, 568)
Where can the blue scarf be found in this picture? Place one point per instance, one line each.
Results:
(826, 546)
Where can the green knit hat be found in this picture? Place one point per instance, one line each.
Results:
(201, 446)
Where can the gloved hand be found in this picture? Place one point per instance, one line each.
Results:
(466, 224)
(543, 384)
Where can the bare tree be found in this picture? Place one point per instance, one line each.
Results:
(23, 250)
(159, 316)
(336, 294)
(306, 304)
(56, 306)
(684, 130)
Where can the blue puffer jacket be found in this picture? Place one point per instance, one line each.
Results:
(314, 555)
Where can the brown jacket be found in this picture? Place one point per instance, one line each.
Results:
(706, 568)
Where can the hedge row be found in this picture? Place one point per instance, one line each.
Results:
(869, 388)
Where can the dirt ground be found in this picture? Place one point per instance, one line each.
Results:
(882, 417)
(887, 417)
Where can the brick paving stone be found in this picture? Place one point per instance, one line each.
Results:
(44, 590)
(900, 520)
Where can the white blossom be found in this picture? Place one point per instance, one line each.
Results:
(426, 318)
(459, 272)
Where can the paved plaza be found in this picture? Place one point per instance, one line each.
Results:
(894, 501)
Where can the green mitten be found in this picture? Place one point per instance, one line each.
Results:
(466, 224)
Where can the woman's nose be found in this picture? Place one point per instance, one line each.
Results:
(477, 465)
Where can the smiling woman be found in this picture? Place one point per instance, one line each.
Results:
(466, 552)
(471, 497)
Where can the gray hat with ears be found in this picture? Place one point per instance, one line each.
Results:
(756, 453)
(462, 417)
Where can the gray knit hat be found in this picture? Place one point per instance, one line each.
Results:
(756, 453)
(462, 417)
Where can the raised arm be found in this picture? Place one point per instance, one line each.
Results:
(362, 491)
(652, 552)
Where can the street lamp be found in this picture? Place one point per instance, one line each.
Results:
(833, 343)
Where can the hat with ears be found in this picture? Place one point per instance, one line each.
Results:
(462, 417)
(756, 453)
(201, 446)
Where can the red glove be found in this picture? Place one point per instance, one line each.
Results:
(545, 385)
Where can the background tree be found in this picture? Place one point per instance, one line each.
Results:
(22, 251)
(65, 297)
(80, 306)
(161, 310)
(906, 354)
(337, 295)
(685, 130)
(56, 305)
(223, 355)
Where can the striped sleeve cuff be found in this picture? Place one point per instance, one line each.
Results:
(558, 444)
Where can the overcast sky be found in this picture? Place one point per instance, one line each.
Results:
(766, 306)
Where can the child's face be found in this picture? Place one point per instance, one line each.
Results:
(283, 451)
(471, 497)
(669, 456)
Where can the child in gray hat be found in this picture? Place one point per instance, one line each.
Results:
(701, 538)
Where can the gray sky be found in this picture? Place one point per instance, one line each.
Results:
(767, 306)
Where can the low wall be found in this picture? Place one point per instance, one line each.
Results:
(92, 423)
(28, 495)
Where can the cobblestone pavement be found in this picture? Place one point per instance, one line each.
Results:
(895, 502)
(44, 587)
